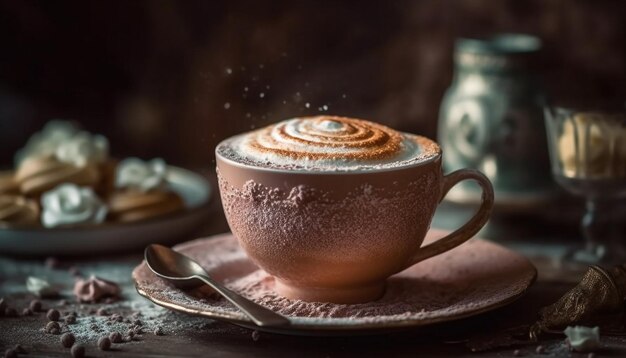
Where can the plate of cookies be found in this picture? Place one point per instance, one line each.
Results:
(67, 196)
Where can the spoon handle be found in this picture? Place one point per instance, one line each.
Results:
(257, 313)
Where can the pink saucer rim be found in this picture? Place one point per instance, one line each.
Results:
(307, 325)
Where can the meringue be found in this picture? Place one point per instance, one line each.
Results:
(83, 149)
(40, 287)
(583, 339)
(134, 173)
(95, 288)
(69, 204)
(46, 141)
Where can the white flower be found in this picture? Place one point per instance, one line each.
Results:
(583, 339)
(136, 174)
(82, 149)
(46, 141)
(69, 204)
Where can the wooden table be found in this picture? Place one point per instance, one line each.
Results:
(195, 336)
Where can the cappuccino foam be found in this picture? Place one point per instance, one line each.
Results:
(327, 143)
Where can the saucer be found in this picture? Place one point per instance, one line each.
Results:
(473, 278)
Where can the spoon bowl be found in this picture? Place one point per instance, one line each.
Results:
(183, 272)
(174, 267)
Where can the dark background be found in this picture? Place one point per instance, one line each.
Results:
(155, 76)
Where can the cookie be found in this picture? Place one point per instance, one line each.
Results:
(39, 174)
(129, 205)
(8, 185)
(15, 209)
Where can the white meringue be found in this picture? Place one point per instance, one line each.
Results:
(82, 149)
(144, 176)
(69, 204)
(583, 339)
(41, 287)
(46, 141)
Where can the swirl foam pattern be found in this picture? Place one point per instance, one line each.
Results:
(329, 142)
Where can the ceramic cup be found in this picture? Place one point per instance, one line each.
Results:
(337, 236)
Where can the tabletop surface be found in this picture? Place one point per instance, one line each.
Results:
(500, 333)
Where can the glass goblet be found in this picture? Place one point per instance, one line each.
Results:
(588, 159)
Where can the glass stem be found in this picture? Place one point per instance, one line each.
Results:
(596, 226)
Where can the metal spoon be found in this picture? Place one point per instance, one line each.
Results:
(184, 272)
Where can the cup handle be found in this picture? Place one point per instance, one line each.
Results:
(470, 228)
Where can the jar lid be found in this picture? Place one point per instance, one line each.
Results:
(502, 52)
(503, 44)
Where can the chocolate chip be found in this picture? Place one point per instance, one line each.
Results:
(104, 343)
(35, 305)
(78, 351)
(19, 349)
(10, 353)
(256, 335)
(3, 306)
(10, 312)
(102, 312)
(115, 337)
(158, 331)
(52, 326)
(70, 319)
(68, 340)
(27, 312)
(53, 314)
(52, 263)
